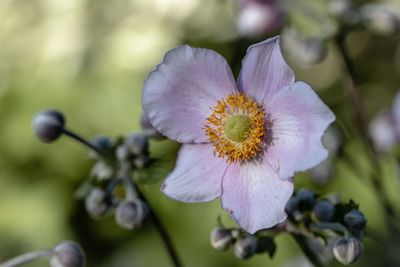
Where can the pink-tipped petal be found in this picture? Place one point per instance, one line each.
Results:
(254, 196)
(264, 71)
(178, 95)
(197, 175)
(299, 119)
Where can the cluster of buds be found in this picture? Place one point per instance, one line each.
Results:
(340, 227)
(65, 254)
(331, 220)
(114, 162)
(244, 245)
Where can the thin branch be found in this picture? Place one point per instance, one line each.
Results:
(312, 257)
(27, 257)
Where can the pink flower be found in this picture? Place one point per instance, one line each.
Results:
(242, 141)
(258, 17)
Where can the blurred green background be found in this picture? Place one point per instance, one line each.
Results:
(89, 58)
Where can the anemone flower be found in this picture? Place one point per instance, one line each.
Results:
(242, 141)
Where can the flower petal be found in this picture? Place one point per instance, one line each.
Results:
(197, 175)
(299, 119)
(264, 71)
(254, 196)
(178, 95)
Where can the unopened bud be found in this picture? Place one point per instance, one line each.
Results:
(102, 171)
(292, 205)
(67, 254)
(324, 211)
(312, 50)
(347, 250)
(48, 125)
(245, 247)
(130, 214)
(102, 142)
(306, 199)
(95, 203)
(221, 239)
(137, 143)
(355, 220)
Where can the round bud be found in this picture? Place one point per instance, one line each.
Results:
(122, 152)
(324, 211)
(292, 205)
(306, 199)
(355, 220)
(130, 214)
(102, 171)
(311, 51)
(245, 247)
(95, 203)
(48, 125)
(221, 239)
(148, 128)
(347, 250)
(67, 254)
(137, 143)
(101, 142)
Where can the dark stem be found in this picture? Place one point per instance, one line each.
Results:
(312, 257)
(358, 117)
(162, 231)
(81, 140)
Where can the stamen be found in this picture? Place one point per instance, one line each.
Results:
(237, 127)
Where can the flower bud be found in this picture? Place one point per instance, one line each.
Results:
(122, 152)
(324, 211)
(355, 220)
(221, 239)
(306, 199)
(137, 143)
(130, 214)
(102, 142)
(347, 250)
(67, 254)
(292, 205)
(48, 125)
(95, 203)
(245, 247)
(102, 171)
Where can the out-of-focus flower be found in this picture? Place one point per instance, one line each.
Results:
(381, 18)
(257, 17)
(339, 7)
(385, 127)
(242, 142)
(304, 50)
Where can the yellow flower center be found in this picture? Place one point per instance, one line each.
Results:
(237, 127)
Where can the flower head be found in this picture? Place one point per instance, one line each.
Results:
(242, 141)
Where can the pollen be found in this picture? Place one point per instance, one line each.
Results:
(237, 128)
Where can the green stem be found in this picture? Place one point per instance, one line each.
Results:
(27, 257)
(358, 116)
